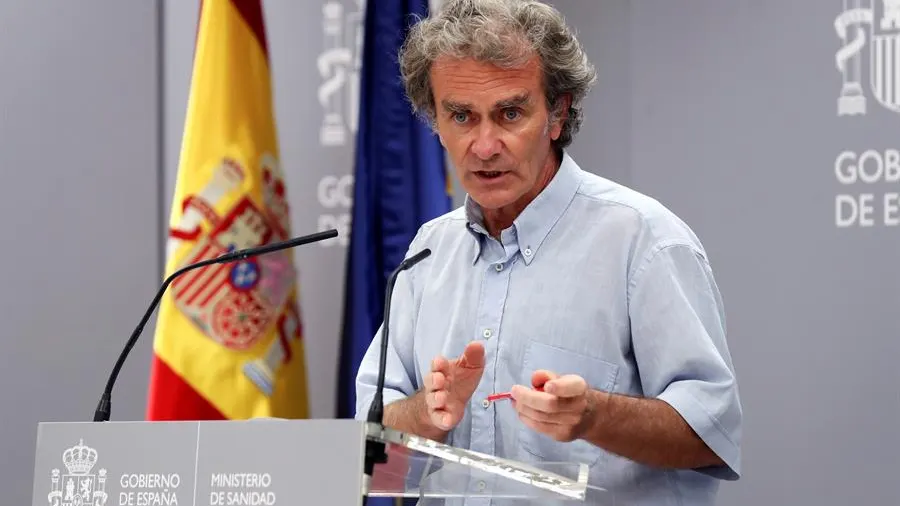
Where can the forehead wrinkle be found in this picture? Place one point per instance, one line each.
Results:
(483, 79)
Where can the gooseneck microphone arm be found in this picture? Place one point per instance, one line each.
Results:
(103, 410)
(376, 410)
(375, 451)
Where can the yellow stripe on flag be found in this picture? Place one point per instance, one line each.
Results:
(226, 329)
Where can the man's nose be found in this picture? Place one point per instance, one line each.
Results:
(487, 141)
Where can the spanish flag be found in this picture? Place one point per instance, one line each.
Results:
(228, 336)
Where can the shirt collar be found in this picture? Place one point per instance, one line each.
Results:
(535, 222)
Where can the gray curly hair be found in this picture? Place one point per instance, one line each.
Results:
(506, 33)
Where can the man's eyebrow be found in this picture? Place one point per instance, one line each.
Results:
(454, 106)
(515, 101)
(506, 103)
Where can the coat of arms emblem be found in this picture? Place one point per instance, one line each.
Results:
(883, 37)
(235, 303)
(79, 486)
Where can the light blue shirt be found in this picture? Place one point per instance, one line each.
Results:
(592, 279)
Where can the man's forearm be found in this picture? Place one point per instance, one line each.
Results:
(410, 415)
(649, 431)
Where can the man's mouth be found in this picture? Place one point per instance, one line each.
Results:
(489, 174)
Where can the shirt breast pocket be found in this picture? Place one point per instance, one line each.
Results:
(599, 374)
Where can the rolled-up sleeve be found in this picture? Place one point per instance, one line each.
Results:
(678, 338)
(399, 379)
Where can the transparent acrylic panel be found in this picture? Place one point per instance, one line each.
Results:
(436, 473)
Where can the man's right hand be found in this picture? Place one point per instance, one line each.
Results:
(450, 385)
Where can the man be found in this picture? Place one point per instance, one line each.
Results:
(593, 304)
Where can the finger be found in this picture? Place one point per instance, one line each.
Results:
(441, 419)
(446, 417)
(555, 431)
(437, 400)
(550, 429)
(440, 364)
(542, 376)
(534, 424)
(569, 385)
(548, 403)
(472, 357)
(435, 381)
(567, 418)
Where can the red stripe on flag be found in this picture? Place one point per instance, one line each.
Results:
(171, 398)
(185, 282)
(252, 13)
(217, 274)
(221, 282)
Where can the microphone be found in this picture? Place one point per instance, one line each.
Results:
(375, 451)
(104, 406)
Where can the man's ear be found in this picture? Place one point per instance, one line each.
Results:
(559, 114)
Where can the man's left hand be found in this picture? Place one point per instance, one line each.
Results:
(561, 407)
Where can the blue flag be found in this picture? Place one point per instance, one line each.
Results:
(400, 182)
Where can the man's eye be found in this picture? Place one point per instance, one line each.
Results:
(511, 114)
(459, 117)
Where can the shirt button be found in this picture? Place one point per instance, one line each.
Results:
(486, 333)
(481, 486)
(527, 252)
(498, 267)
(485, 404)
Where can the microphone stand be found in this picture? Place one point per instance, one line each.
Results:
(104, 407)
(375, 450)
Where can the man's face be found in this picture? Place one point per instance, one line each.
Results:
(494, 124)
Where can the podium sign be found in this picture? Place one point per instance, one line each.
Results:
(269, 462)
(218, 463)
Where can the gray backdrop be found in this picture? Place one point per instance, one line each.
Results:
(725, 110)
(79, 196)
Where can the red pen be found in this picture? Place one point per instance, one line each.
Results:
(506, 395)
(497, 397)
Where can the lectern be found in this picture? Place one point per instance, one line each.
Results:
(265, 462)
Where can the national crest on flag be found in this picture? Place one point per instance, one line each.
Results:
(228, 338)
(233, 304)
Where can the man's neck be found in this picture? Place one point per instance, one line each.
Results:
(497, 220)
